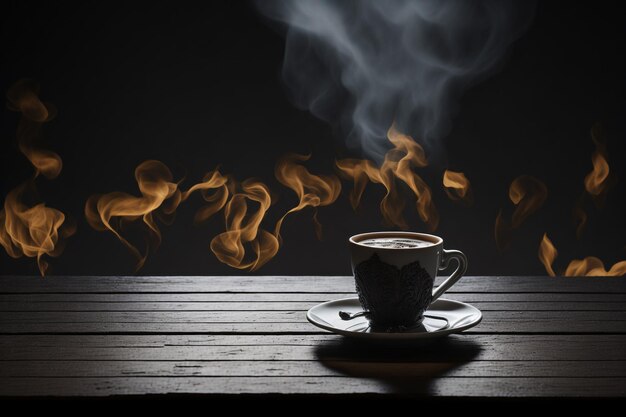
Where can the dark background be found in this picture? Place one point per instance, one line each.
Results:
(197, 84)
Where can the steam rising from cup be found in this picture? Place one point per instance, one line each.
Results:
(363, 64)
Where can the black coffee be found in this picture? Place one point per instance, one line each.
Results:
(396, 243)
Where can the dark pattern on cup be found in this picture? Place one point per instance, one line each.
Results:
(395, 298)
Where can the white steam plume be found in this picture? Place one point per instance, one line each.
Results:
(361, 64)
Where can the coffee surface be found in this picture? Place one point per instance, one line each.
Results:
(396, 242)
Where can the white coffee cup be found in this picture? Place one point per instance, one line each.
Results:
(395, 283)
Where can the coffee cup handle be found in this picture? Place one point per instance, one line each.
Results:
(446, 257)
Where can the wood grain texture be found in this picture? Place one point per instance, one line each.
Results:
(456, 348)
(301, 306)
(313, 368)
(101, 336)
(278, 322)
(260, 316)
(418, 386)
(313, 298)
(286, 284)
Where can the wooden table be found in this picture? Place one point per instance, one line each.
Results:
(105, 336)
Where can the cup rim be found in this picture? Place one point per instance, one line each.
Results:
(435, 240)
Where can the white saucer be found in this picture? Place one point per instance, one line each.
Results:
(442, 318)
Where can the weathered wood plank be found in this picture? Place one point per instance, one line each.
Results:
(60, 317)
(289, 284)
(292, 297)
(488, 325)
(457, 348)
(285, 321)
(443, 387)
(164, 317)
(303, 306)
(179, 297)
(158, 340)
(330, 368)
(163, 328)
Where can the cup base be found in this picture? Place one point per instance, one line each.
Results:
(397, 328)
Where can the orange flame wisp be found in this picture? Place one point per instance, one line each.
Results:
(597, 181)
(361, 172)
(547, 254)
(23, 96)
(109, 212)
(242, 228)
(312, 190)
(31, 231)
(38, 230)
(594, 267)
(212, 181)
(457, 186)
(414, 156)
(398, 163)
(528, 195)
(587, 267)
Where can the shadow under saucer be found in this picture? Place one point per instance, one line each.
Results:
(404, 367)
